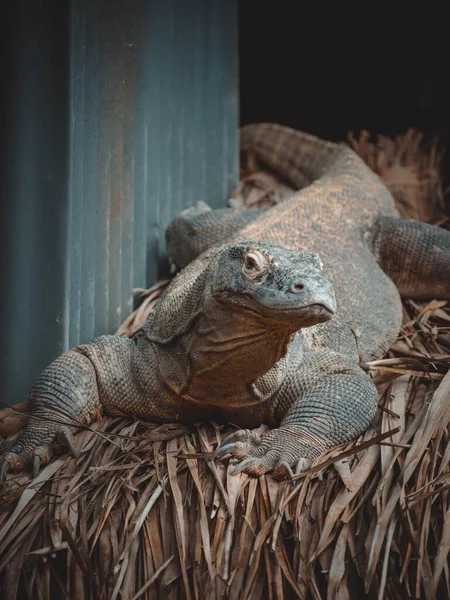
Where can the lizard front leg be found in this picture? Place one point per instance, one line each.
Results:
(64, 397)
(112, 373)
(199, 228)
(331, 401)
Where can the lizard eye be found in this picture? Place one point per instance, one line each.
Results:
(254, 264)
(250, 263)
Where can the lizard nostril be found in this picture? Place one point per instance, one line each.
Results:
(297, 287)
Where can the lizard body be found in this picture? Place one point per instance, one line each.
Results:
(251, 331)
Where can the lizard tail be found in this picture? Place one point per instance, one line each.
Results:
(297, 157)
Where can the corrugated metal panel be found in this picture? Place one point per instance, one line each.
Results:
(147, 126)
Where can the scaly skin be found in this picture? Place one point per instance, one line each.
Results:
(244, 333)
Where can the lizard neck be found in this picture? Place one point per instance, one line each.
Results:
(230, 351)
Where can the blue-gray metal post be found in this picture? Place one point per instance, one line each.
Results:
(120, 114)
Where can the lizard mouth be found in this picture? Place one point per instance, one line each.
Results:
(316, 311)
(306, 315)
(319, 308)
(315, 306)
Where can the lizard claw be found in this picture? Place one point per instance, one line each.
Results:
(41, 455)
(68, 437)
(240, 435)
(242, 466)
(4, 469)
(36, 465)
(235, 444)
(223, 451)
(302, 465)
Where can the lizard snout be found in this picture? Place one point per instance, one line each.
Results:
(314, 290)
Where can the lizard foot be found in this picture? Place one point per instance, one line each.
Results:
(283, 451)
(34, 447)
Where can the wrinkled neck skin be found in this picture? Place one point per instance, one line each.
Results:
(231, 357)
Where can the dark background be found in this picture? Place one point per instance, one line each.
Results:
(328, 71)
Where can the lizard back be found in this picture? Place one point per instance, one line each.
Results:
(332, 217)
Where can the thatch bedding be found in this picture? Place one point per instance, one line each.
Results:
(142, 513)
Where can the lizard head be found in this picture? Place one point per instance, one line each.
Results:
(275, 282)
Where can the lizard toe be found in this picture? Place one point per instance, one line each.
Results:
(35, 447)
(283, 470)
(36, 465)
(243, 465)
(235, 436)
(4, 467)
(284, 452)
(11, 461)
(41, 456)
(303, 464)
(68, 438)
(240, 444)
(241, 435)
(223, 451)
(258, 462)
(253, 466)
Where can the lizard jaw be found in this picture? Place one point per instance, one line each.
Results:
(301, 316)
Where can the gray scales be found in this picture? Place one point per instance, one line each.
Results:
(267, 322)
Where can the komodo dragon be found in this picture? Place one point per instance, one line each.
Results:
(251, 332)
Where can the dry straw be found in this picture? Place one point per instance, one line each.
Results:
(143, 513)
